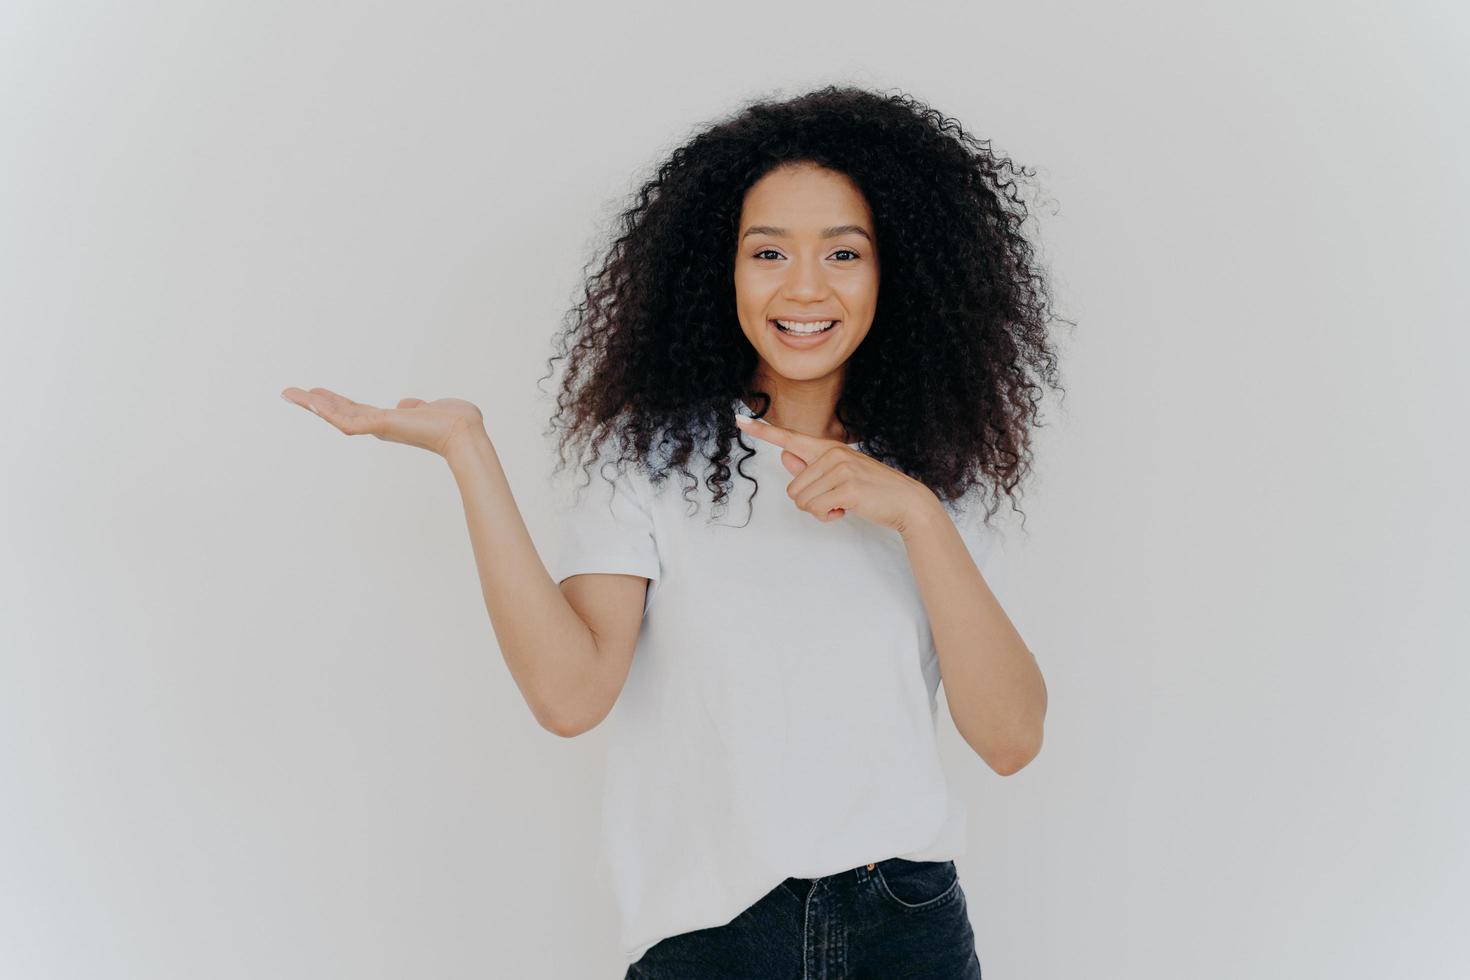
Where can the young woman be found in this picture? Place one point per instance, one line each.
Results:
(774, 804)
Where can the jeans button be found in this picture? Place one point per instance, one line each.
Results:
(870, 867)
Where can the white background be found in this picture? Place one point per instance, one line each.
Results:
(253, 721)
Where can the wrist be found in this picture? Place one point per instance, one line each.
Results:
(926, 511)
(465, 443)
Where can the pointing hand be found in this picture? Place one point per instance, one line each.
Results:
(832, 478)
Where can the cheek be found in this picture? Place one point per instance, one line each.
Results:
(752, 293)
(744, 287)
(862, 295)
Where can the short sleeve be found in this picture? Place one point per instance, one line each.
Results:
(606, 525)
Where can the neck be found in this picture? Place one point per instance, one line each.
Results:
(805, 407)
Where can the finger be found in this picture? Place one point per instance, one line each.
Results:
(827, 506)
(410, 402)
(298, 397)
(816, 494)
(350, 417)
(804, 447)
(822, 473)
(328, 404)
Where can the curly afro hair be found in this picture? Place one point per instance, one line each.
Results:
(944, 387)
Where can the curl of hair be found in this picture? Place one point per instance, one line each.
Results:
(945, 386)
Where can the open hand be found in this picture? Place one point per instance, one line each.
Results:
(832, 478)
(415, 422)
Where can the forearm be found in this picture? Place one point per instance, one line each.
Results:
(550, 651)
(992, 683)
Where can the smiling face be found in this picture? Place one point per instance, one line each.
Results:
(807, 251)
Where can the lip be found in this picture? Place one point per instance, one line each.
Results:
(804, 343)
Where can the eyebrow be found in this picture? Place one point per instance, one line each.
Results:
(832, 232)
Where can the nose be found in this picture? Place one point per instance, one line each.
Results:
(806, 281)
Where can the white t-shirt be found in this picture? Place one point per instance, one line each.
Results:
(779, 717)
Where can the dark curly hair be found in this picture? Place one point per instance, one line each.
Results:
(945, 385)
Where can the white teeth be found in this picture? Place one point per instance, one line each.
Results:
(814, 327)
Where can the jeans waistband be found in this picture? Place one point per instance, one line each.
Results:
(861, 872)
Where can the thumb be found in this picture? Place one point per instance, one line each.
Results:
(410, 402)
(792, 462)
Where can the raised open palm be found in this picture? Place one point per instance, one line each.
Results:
(414, 422)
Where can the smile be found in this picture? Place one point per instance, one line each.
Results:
(803, 328)
(804, 334)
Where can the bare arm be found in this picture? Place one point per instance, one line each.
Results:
(568, 648)
(996, 694)
(567, 677)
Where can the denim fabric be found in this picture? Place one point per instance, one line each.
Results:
(900, 919)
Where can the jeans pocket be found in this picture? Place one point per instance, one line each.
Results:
(917, 886)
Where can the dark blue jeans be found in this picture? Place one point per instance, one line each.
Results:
(896, 918)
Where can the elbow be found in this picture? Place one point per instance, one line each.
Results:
(564, 725)
(1011, 765)
(571, 713)
(1006, 757)
(1014, 760)
(564, 729)
(569, 724)
(1019, 754)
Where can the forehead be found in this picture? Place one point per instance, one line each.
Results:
(804, 199)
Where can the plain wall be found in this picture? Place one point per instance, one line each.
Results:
(253, 720)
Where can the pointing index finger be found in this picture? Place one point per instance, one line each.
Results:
(806, 447)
